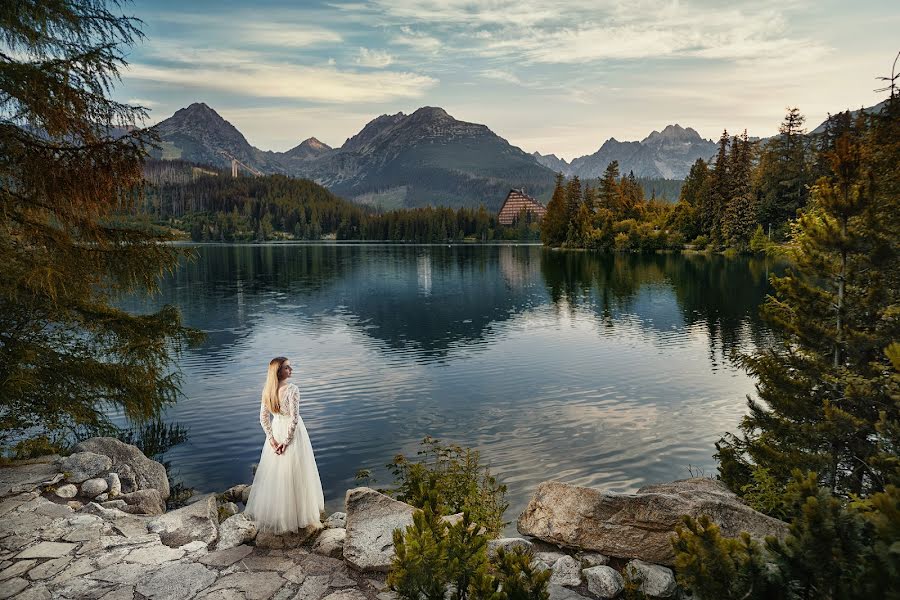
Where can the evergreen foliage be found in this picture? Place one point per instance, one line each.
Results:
(833, 550)
(828, 392)
(432, 557)
(784, 176)
(69, 356)
(457, 478)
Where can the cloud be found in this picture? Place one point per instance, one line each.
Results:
(142, 102)
(274, 80)
(417, 40)
(501, 75)
(376, 59)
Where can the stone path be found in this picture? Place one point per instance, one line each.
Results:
(47, 550)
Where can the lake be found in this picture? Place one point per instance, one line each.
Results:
(604, 371)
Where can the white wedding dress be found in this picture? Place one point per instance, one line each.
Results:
(287, 494)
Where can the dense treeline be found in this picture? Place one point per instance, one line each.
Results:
(744, 198)
(213, 206)
(820, 445)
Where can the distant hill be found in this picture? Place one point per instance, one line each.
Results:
(870, 110)
(666, 154)
(426, 158)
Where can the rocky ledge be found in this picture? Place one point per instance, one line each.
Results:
(54, 547)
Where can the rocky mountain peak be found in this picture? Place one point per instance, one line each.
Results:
(673, 134)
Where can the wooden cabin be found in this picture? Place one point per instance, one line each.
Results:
(516, 200)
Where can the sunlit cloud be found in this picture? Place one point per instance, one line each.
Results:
(273, 80)
(376, 59)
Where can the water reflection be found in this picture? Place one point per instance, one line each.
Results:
(609, 371)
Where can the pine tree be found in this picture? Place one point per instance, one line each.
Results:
(824, 389)
(574, 197)
(608, 195)
(720, 191)
(68, 250)
(555, 224)
(784, 176)
(739, 219)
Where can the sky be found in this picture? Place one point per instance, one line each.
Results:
(552, 76)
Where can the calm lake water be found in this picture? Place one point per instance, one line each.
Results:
(604, 371)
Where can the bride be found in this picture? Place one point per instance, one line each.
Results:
(286, 494)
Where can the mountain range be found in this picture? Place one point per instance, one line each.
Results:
(425, 158)
(666, 154)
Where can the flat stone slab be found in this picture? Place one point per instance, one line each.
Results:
(25, 478)
(47, 550)
(177, 581)
(225, 558)
(254, 586)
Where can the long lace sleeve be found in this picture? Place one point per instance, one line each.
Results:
(264, 420)
(294, 407)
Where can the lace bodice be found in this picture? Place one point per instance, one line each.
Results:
(290, 408)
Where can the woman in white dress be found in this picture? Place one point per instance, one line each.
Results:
(286, 495)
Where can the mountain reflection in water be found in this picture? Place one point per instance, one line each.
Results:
(604, 371)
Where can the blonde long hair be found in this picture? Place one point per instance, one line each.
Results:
(270, 390)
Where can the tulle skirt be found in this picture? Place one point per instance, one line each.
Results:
(287, 494)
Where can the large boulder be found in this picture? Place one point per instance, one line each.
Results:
(196, 521)
(83, 465)
(637, 525)
(126, 460)
(371, 520)
(236, 530)
(144, 502)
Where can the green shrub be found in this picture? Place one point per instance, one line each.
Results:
(765, 494)
(701, 242)
(834, 549)
(432, 557)
(461, 483)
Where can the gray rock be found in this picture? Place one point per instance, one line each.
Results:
(636, 525)
(654, 580)
(330, 542)
(197, 521)
(49, 568)
(316, 564)
(121, 573)
(507, 544)
(336, 520)
(235, 493)
(12, 587)
(26, 477)
(346, 594)
(127, 479)
(154, 555)
(83, 465)
(236, 530)
(254, 586)
(604, 582)
(549, 558)
(94, 487)
(245, 494)
(145, 502)
(314, 587)
(558, 592)
(117, 503)
(147, 473)
(371, 520)
(176, 581)
(566, 571)
(592, 559)
(267, 562)
(17, 568)
(115, 484)
(101, 498)
(35, 592)
(228, 509)
(296, 539)
(67, 491)
(227, 557)
(47, 550)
